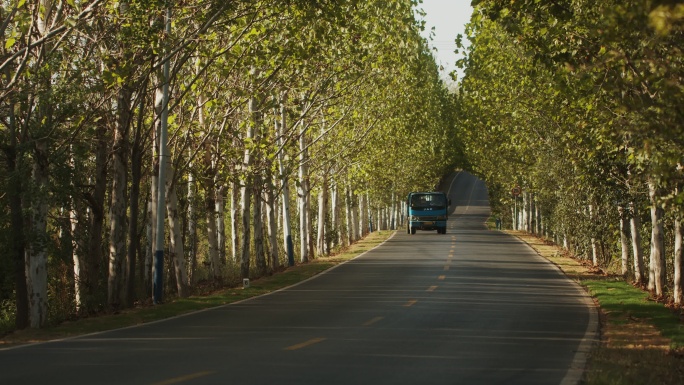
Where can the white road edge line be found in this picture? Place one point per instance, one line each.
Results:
(198, 311)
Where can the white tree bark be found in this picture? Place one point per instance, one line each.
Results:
(117, 213)
(656, 276)
(73, 221)
(635, 229)
(220, 208)
(234, 222)
(335, 215)
(678, 293)
(258, 221)
(303, 196)
(246, 197)
(624, 240)
(192, 230)
(287, 230)
(209, 194)
(355, 218)
(349, 217)
(322, 212)
(150, 232)
(36, 253)
(271, 215)
(594, 248)
(524, 212)
(176, 252)
(363, 215)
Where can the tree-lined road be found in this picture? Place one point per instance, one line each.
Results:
(472, 306)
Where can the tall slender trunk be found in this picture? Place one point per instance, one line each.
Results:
(287, 230)
(257, 220)
(150, 233)
(134, 241)
(176, 252)
(76, 227)
(355, 218)
(594, 248)
(335, 220)
(209, 194)
(17, 246)
(117, 235)
(524, 211)
(678, 293)
(303, 195)
(349, 216)
(220, 220)
(191, 249)
(363, 216)
(322, 212)
(246, 198)
(656, 276)
(36, 253)
(271, 215)
(624, 240)
(234, 223)
(635, 229)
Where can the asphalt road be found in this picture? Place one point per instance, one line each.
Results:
(469, 307)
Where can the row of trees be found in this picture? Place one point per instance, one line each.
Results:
(578, 103)
(288, 122)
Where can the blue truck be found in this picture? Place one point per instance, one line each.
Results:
(427, 211)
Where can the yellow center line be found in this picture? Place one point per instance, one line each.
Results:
(410, 303)
(305, 344)
(177, 380)
(441, 277)
(432, 288)
(372, 321)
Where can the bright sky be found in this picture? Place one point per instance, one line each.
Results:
(449, 18)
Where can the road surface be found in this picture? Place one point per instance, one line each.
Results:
(470, 307)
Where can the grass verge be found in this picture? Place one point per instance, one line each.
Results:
(141, 315)
(642, 340)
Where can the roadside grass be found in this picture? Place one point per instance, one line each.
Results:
(641, 341)
(179, 306)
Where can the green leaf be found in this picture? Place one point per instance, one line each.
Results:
(9, 43)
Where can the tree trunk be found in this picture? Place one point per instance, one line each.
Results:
(246, 199)
(364, 216)
(117, 214)
(134, 241)
(191, 249)
(322, 212)
(303, 196)
(524, 212)
(271, 215)
(656, 277)
(17, 246)
(234, 223)
(635, 229)
(624, 241)
(335, 220)
(287, 230)
(594, 250)
(678, 293)
(349, 217)
(36, 254)
(176, 252)
(220, 221)
(257, 220)
(209, 197)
